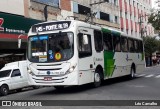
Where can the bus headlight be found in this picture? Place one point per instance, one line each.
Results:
(30, 72)
(71, 69)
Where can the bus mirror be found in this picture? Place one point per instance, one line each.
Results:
(85, 39)
(19, 43)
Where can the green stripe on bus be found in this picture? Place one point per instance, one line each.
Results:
(105, 30)
(109, 63)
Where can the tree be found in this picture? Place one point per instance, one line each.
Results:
(154, 19)
(150, 46)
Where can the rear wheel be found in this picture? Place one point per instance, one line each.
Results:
(132, 73)
(4, 90)
(97, 79)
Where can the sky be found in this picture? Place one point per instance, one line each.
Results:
(154, 5)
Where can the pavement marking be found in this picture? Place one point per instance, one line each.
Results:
(140, 75)
(149, 76)
(157, 76)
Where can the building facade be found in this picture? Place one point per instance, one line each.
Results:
(134, 17)
(106, 13)
(17, 16)
(13, 24)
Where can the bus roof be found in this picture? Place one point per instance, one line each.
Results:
(103, 28)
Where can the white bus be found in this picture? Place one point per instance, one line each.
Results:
(63, 53)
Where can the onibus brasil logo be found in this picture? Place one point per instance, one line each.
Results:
(1, 23)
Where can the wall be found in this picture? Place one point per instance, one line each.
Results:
(15, 6)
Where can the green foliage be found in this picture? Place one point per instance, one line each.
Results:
(150, 45)
(154, 19)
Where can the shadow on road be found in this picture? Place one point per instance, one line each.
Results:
(86, 87)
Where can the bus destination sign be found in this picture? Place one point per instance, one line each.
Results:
(51, 26)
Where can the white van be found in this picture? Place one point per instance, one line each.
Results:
(13, 76)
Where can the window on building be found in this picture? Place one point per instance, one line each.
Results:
(134, 3)
(131, 32)
(116, 19)
(129, 1)
(126, 15)
(83, 9)
(127, 31)
(54, 3)
(98, 40)
(77, 8)
(120, 13)
(111, 18)
(122, 29)
(104, 16)
(106, 0)
(116, 2)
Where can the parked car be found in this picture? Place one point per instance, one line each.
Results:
(13, 76)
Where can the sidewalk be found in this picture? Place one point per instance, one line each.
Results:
(158, 65)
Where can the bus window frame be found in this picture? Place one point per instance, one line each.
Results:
(101, 49)
(83, 54)
(112, 49)
(125, 46)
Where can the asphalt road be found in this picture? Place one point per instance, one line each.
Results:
(145, 86)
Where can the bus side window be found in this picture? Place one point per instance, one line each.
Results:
(136, 46)
(124, 44)
(98, 40)
(108, 42)
(84, 47)
(131, 45)
(116, 43)
(140, 44)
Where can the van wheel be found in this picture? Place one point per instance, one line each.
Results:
(97, 79)
(59, 87)
(4, 90)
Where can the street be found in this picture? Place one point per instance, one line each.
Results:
(144, 87)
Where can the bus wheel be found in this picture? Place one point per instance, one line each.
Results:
(132, 73)
(4, 90)
(97, 79)
(59, 87)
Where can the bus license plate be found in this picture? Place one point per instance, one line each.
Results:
(47, 78)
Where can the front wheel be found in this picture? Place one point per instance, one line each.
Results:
(97, 79)
(4, 90)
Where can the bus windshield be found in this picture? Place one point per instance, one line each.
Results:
(50, 48)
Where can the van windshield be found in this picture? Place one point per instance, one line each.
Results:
(5, 73)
